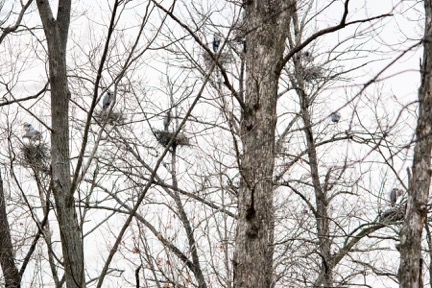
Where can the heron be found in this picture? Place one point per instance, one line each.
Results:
(31, 133)
(106, 102)
(394, 194)
(307, 57)
(167, 120)
(216, 42)
(335, 117)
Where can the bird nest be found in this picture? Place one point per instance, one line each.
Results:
(225, 58)
(111, 118)
(393, 214)
(35, 156)
(312, 73)
(164, 137)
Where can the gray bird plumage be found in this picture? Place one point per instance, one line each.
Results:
(107, 99)
(216, 42)
(31, 133)
(394, 194)
(307, 57)
(335, 117)
(167, 120)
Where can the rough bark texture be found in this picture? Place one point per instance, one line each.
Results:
(410, 270)
(321, 199)
(56, 32)
(267, 28)
(10, 271)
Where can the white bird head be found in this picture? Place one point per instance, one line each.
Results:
(27, 127)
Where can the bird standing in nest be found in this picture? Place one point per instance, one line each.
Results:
(32, 134)
(167, 120)
(106, 101)
(216, 42)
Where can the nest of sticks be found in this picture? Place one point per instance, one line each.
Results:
(164, 137)
(394, 214)
(111, 118)
(35, 156)
(313, 73)
(225, 58)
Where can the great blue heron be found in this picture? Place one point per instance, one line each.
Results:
(31, 133)
(307, 57)
(335, 117)
(394, 194)
(167, 120)
(107, 99)
(216, 42)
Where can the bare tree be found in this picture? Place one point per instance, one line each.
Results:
(411, 263)
(258, 197)
(7, 259)
(267, 24)
(56, 32)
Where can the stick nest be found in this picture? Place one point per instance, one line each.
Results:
(111, 118)
(35, 156)
(225, 58)
(313, 73)
(164, 137)
(394, 214)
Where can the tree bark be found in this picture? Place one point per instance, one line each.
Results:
(321, 199)
(410, 270)
(7, 261)
(56, 32)
(267, 25)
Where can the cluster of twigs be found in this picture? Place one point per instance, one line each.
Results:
(164, 137)
(312, 73)
(111, 118)
(225, 58)
(35, 156)
(393, 214)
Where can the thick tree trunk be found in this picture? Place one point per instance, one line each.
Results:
(56, 31)
(267, 27)
(410, 270)
(10, 271)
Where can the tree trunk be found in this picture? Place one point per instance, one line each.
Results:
(7, 261)
(321, 199)
(410, 270)
(267, 27)
(56, 32)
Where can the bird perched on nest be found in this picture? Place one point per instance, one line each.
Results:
(307, 57)
(394, 194)
(167, 120)
(335, 117)
(216, 42)
(31, 133)
(106, 101)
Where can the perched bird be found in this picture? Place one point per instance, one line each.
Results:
(335, 117)
(27, 127)
(107, 99)
(307, 57)
(167, 120)
(216, 42)
(394, 194)
(31, 133)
